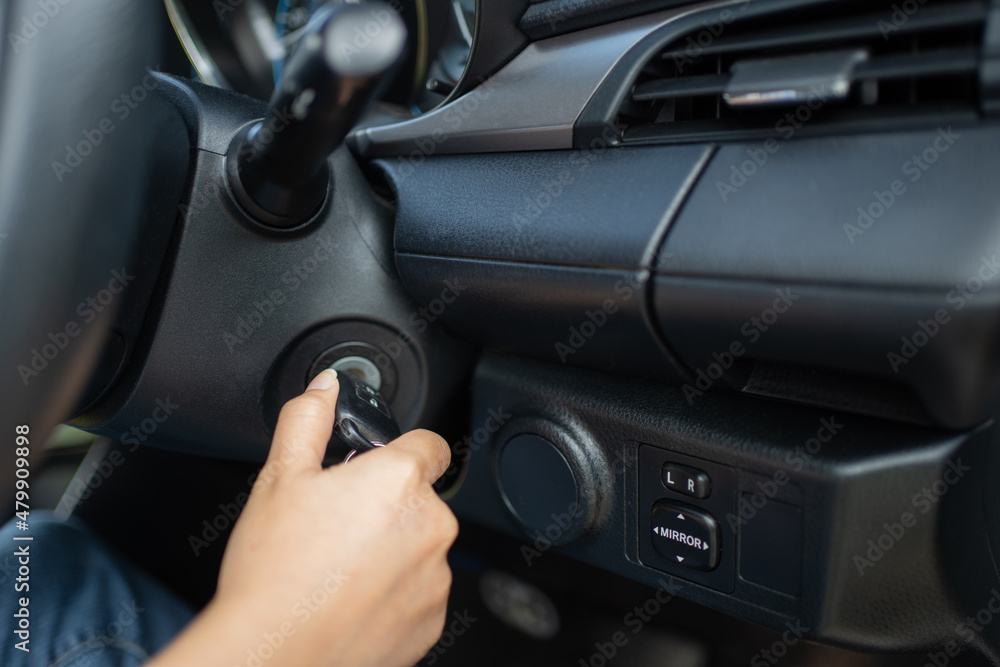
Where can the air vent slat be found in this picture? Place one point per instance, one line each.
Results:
(662, 89)
(861, 27)
(747, 81)
(847, 121)
(886, 67)
(923, 64)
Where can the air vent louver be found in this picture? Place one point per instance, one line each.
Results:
(862, 65)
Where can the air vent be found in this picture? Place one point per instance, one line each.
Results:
(842, 65)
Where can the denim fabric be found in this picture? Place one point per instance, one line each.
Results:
(88, 607)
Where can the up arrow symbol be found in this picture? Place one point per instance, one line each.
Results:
(680, 559)
(680, 516)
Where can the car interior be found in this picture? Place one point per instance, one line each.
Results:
(704, 296)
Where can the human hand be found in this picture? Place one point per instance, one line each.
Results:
(342, 566)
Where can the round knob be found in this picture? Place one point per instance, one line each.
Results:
(553, 479)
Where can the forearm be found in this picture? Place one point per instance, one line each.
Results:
(217, 636)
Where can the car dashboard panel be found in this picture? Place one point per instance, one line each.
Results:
(796, 304)
(722, 279)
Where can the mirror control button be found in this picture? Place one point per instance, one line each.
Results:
(685, 536)
(686, 480)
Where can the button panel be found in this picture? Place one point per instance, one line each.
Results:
(690, 537)
(684, 534)
(686, 480)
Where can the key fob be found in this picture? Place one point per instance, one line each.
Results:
(363, 417)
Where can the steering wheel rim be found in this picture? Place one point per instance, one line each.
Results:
(73, 175)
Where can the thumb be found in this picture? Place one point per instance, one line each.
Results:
(305, 426)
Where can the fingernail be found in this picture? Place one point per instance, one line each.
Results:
(324, 380)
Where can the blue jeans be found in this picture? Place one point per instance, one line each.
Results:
(87, 607)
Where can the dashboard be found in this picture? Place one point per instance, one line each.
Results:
(716, 276)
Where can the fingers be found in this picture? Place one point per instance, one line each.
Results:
(429, 450)
(305, 425)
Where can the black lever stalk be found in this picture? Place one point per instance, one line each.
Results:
(277, 167)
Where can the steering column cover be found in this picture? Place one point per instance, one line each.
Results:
(242, 302)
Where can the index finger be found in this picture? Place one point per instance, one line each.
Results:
(305, 426)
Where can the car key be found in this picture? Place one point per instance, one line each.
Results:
(363, 419)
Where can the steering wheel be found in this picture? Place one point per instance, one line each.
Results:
(76, 155)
